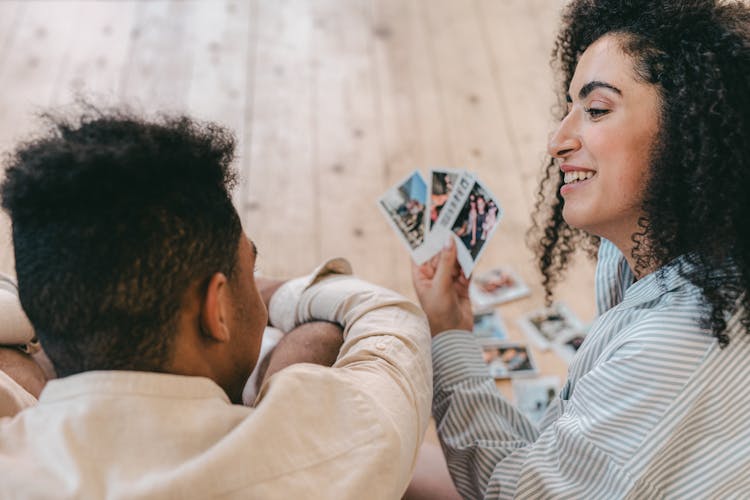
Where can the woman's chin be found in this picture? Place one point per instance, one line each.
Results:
(573, 218)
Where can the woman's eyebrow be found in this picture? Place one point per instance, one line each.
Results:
(589, 87)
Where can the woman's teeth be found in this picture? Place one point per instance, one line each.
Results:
(578, 175)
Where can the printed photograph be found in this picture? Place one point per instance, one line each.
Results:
(404, 206)
(497, 286)
(567, 345)
(556, 324)
(442, 186)
(534, 395)
(489, 326)
(477, 219)
(507, 360)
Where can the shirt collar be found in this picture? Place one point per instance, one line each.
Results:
(131, 383)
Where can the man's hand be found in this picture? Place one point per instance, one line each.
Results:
(443, 292)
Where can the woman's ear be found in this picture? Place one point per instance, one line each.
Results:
(215, 308)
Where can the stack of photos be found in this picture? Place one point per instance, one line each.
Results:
(458, 206)
(508, 359)
(555, 327)
(496, 287)
(533, 396)
(489, 326)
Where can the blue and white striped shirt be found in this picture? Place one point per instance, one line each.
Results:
(652, 408)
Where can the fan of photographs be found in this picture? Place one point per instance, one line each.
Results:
(555, 327)
(457, 206)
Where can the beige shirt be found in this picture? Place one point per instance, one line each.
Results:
(351, 431)
(13, 397)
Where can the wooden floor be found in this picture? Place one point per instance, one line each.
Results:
(332, 102)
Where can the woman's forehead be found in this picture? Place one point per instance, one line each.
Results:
(603, 61)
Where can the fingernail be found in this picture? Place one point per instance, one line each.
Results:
(447, 243)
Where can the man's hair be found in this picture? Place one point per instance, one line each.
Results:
(114, 218)
(697, 55)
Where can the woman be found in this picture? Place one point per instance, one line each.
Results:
(478, 232)
(649, 163)
(468, 230)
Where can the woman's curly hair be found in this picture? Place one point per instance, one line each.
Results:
(697, 198)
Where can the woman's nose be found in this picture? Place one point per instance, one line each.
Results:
(564, 140)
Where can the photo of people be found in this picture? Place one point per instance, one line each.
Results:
(533, 396)
(550, 324)
(477, 219)
(442, 186)
(457, 206)
(568, 344)
(508, 360)
(404, 206)
(497, 286)
(575, 342)
(554, 325)
(489, 325)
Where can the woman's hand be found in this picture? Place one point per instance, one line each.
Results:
(443, 292)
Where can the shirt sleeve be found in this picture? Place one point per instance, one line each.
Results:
(15, 328)
(385, 359)
(585, 443)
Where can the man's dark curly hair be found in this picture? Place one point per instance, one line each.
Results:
(114, 218)
(696, 202)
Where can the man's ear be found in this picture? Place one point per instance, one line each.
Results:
(215, 308)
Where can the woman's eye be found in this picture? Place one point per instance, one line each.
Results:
(596, 112)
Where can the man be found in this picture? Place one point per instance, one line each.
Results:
(138, 280)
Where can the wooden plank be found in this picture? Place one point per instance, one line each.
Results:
(351, 171)
(98, 55)
(218, 76)
(411, 120)
(33, 60)
(159, 58)
(415, 130)
(11, 14)
(33, 56)
(280, 208)
(222, 42)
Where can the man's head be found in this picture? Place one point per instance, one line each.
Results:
(129, 252)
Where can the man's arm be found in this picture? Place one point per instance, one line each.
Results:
(382, 376)
(317, 342)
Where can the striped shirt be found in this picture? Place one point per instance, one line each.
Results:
(652, 408)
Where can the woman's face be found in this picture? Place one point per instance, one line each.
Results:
(604, 143)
